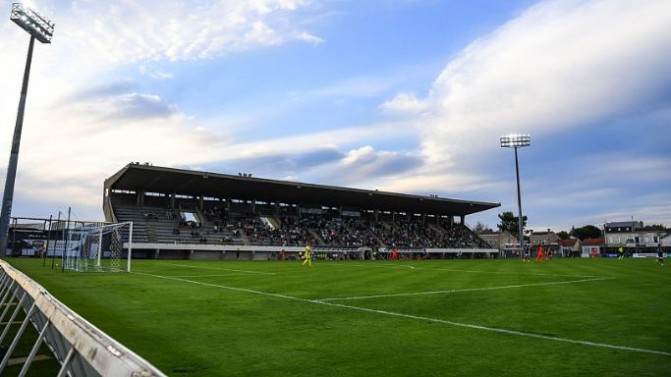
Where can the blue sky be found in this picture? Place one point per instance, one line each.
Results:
(406, 96)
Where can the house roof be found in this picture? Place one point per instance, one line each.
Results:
(593, 241)
(568, 243)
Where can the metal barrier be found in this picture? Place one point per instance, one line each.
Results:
(79, 347)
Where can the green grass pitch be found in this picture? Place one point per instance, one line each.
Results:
(570, 317)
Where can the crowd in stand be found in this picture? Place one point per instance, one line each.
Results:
(350, 232)
(288, 227)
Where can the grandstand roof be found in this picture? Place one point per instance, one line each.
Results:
(149, 178)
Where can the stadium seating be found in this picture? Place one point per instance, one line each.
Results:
(216, 225)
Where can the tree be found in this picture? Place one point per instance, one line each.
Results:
(563, 235)
(587, 231)
(510, 223)
(658, 227)
(480, 228)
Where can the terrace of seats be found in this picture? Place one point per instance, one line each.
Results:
(235, 224)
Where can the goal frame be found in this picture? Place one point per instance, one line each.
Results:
(85, 247)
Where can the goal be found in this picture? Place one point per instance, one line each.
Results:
(98, 248)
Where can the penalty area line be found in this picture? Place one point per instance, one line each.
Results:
(420, 318)
(222, 269)
(347, 298)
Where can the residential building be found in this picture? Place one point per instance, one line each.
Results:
(633, 236)
(570, 247)
(543, 238)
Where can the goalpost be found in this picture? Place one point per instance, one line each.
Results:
(98, 248)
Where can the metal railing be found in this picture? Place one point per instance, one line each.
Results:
(80, 348)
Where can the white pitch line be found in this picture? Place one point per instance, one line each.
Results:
(222, 269)
(386, 266)
(236, 289)
(498, 330)
(209, 276)
(505, 273)
(409, 316)
(347, 298)
(397, 266)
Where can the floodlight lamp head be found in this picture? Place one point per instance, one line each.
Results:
(31, 21)
(515, 141)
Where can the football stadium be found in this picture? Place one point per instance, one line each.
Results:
(204, 274)
(213, 278)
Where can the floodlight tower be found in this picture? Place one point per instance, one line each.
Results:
(517, 141)
(42, 29)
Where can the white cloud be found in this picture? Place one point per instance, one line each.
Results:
(404, 103)
(85, 114)
(307, 37)
(559, 65)
(157, 74)
(125, 32)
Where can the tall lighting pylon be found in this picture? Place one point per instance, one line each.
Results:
(517, 141)
(42, 29)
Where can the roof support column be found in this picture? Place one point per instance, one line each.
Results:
(140, 198)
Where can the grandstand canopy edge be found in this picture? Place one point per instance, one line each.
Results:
(143, 178)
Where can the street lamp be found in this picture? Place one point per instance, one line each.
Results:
(42, 29)
(517, 141)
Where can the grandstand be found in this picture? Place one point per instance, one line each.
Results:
(201, 215)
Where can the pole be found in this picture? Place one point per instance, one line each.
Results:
(100, 249)
(8, 195)
(65, 248)
(130, 246)
(14, 239)
(519, 206)
(46, 249)
(53, 256)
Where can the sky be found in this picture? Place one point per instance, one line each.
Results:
(407, 96)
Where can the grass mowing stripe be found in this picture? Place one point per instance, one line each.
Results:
(405, 266)
(458, 290)
(224, 287)
(506, 273)
(498, 330)
(421, 318)
(222, 269)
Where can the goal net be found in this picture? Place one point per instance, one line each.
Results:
(98, 248)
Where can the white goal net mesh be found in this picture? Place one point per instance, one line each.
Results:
(98, 248)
